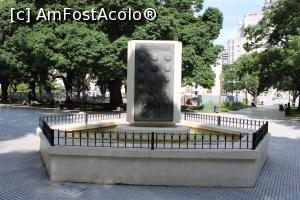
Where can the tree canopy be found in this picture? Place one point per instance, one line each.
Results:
(278, 33)
(247, 73)
(77, 51)
(280, 22)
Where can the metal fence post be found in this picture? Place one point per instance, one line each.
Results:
(254, 141)
(51, 137)
(152, 141)
(219, 120)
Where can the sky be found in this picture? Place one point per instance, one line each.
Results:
(233, 11)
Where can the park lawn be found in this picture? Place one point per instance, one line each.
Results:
(226, 107)
(295, 112)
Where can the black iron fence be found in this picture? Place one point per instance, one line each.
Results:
(90, 97)
(81, 118)
(260, 134)
(47, 131)
(224, 121)
(101, 138)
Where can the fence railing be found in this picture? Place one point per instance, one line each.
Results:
(259, 135)
(60, 97)
(153, 140)
(99, 138)
(81, 118)
(47, 131)
(224, 121)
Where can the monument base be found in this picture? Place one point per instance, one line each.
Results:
(142, 129)
(168, 167)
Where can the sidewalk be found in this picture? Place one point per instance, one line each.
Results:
(23, 176)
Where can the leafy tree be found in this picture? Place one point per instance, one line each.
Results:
(28, 55)
(290, 68)
(112, 69)
(231, 78)
(280, 22)
(7, 29)
(176, 21)
(76, 50)
(73, 50)
(278, 33)
(7, 71)
(246, 74)
(196, 34)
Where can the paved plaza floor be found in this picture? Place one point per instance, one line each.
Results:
(23, 176)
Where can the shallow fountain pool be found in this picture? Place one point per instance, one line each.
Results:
(108, 137)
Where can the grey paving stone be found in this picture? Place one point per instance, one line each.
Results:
(23, 176)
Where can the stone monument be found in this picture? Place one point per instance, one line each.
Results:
(154, 86)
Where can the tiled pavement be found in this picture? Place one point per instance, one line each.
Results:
(23, 176)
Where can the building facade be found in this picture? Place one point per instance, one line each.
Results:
(235, 46)
(235, 49)
(268, 2)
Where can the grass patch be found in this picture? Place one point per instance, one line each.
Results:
(295, 112)
(226, 107)
(209, 107)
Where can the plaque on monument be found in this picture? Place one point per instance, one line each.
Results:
(154, 82)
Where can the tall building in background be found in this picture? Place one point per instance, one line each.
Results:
(235, 47)
(268, 2)
(212, 94)
(224, 58)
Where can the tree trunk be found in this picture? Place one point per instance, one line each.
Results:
(103, 88)
(114, 88)
(78, 96)
(4, 89)
(246, 98)
(68, 86)
(45, 82)
(294, 100)
(31, 92)
(103, 92)
(48, 90)
(299, 101)
(68, 89)
(255, 99)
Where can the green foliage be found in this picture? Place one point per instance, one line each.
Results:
(57, 87)
(22, 87)
(77, 47)
(231, 78)
(5, 24)
(247, 73)
(294, 112)
(78, 51)
(281, 21)
(291, 56)
(176, 21)
(227, 106)
(279, 33)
